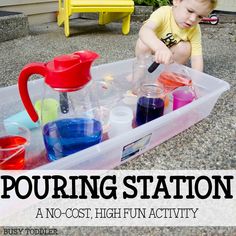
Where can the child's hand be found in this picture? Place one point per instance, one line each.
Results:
(164, 56)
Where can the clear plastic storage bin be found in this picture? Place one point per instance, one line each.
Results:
(115, 151)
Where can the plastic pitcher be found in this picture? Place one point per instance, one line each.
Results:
(67, 126)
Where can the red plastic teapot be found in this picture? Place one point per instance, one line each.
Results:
(67, 110)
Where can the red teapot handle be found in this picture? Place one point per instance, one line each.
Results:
(27, 71)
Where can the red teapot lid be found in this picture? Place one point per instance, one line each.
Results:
(70, 72)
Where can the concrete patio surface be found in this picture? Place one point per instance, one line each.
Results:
(208, 145)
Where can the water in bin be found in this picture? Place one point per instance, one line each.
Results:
(67, 109)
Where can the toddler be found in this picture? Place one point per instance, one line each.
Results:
(172, 33)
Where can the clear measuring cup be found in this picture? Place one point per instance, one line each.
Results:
(150, 104)
(14, 139)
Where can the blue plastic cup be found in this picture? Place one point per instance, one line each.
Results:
(23, 119)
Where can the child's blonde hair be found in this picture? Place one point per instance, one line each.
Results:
(213, 3)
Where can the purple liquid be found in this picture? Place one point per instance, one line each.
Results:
(67, 136)
(148, 109)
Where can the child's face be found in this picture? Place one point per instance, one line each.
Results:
(190, 12)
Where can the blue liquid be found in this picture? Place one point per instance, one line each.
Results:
(148, 109)
(67, 136)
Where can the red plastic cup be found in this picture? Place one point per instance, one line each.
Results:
(182, 98)
(14, 138)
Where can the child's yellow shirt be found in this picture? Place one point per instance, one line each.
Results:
(170, 33)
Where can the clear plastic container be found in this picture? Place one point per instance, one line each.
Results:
(124, 147)
(120, 121)
(150, 104)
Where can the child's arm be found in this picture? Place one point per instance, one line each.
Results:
(147, 35)
(196, 48)
(197, 63)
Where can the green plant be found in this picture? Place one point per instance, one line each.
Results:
(155, 3)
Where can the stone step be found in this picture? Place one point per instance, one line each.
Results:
(13, 25)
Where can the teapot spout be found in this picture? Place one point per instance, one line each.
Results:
(86, 56)
(82, 69)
